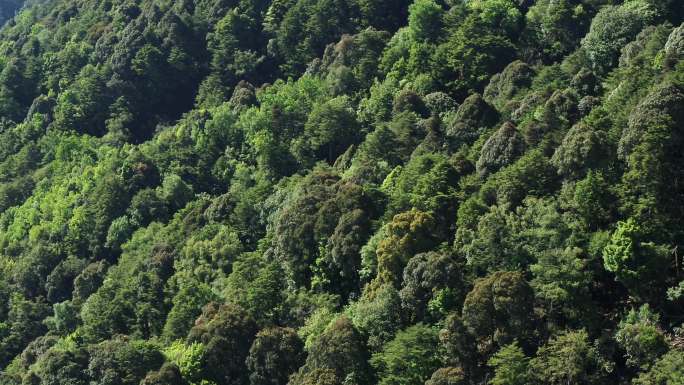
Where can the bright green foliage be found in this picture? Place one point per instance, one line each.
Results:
(667, 370)
(633, 261)
(612, 28)
(569, 358)
(410, 358)
(427, 182)
(425, 20)
(377, 314)
(256, 286)
(641, 337)
(511, 366)
(501, 14)
(561, 280)
(620, 252)
(187, 357)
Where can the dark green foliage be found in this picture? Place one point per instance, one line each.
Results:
(167, 375)
(583, 147)
(187, 306)
(459, 345)
(554, 28)
(22, 324)
(503, 86)
(432, 285)
(329, 131)
(227, 332)
(499, 310)
(378, 314)
(473, 117)
(408, 234)
(275, 354)
(122, 361)
(475, 56)
(341, 350)
(500, 150)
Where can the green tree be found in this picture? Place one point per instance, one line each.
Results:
(276, 353)
(635, 262)
(569, 357)
(511, 366)
(168, 374)
(611, 29)
(667, 370)
(432, 285)
(410, 358)
(446, 376)
(227, 332)
(122, 361)
(187, 306)
(641, 337)
(330, 129)
(499, 310)
(408, 234)
(425, 20)
(377, 314)
(341, 351)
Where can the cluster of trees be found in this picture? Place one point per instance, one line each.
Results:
(329, 192)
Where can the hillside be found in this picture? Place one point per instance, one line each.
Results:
(342, 192)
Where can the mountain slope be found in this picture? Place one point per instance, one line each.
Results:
(342, 191)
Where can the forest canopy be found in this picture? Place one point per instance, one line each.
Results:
(341, 192)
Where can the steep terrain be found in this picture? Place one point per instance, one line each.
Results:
(329, 192)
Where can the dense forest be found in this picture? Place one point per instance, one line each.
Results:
(342, 192)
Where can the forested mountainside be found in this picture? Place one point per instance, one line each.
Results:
(342, 192)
